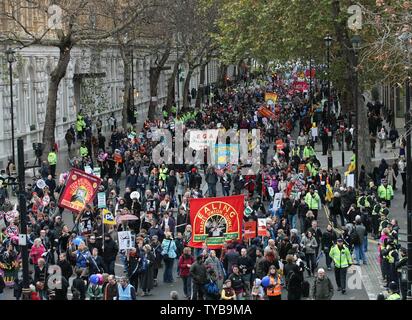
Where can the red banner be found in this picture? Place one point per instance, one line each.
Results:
(216, 220)
(309, 74)
(262, 230)
(250, 230)
(300, 86)
(80, 190)
(265, 112)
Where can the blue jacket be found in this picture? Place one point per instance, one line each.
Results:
(169, 248)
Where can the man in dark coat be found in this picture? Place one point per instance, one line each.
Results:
(109, 253)
(198, 273)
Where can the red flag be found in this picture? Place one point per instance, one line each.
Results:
(80, 190)
(216, 220)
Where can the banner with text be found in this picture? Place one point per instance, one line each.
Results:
(80, 190)
(216, 220)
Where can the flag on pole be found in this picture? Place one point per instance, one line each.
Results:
(108, 217)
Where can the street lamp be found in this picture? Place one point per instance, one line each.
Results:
(356, 41)
(10, 54)
(406, 38)
(133, 111)
(328, 42)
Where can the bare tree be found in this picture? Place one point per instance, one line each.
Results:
(62, 24)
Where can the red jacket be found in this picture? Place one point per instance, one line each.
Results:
(35, 253)
(184, 270)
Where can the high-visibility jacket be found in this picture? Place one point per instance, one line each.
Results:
(275, 287)
(363, 201)
(394, 296)
(163, 173)
(377, 209)
(296, 151)
(308, 152)
(312, 170)
(52, 158)
(389, 257)
(84, 151)
(341, 257)
(312, 201)
(385, 193)
(80, 124)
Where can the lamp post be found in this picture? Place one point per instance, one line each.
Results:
(356, 41)
(131, 99)
(10, 54)
(406, 37)
(178, 73)
(328, 42)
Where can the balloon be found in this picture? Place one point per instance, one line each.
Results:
(94, 279)
(100, 276)
(77, 240)
(265, 281)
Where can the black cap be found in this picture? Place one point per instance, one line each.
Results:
(393, 286)
(340, 239)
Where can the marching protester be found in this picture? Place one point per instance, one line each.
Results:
(143, 216)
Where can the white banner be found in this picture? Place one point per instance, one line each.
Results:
(125, 240)
(200, 139)
(277, 200)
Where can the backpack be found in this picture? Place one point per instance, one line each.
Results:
(143, 265)
(211, 288)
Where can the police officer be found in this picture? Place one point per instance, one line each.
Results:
(52, 159)
(342, 260)
(390, 257)
(402, 270)
(384, 220)
(385, 193)
(393, 292)
(84, 152)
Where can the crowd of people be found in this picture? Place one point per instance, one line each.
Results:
(266, 267)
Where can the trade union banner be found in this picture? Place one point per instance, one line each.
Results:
(216, 221)
(80, 190)
(271, 97)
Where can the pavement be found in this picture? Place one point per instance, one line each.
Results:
(364, 279)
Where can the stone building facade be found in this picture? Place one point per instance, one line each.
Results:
(31, 73)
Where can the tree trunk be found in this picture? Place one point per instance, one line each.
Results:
(349, 87)
(56, 76)
(186, 89)
(239, 70)
(221, 80)
(127, 88)
(363, 137)
(154, 76)
(171, 85)
(201, 88)
(154, 79)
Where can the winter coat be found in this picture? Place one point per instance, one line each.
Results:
(309, 245)
(110, 251)
(111, 292)
(198, 273)
(184, 261)
(216, 265)
(36, 252)
(322, 289)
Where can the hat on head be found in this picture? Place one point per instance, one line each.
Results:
(393, 286)
(340, 239)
